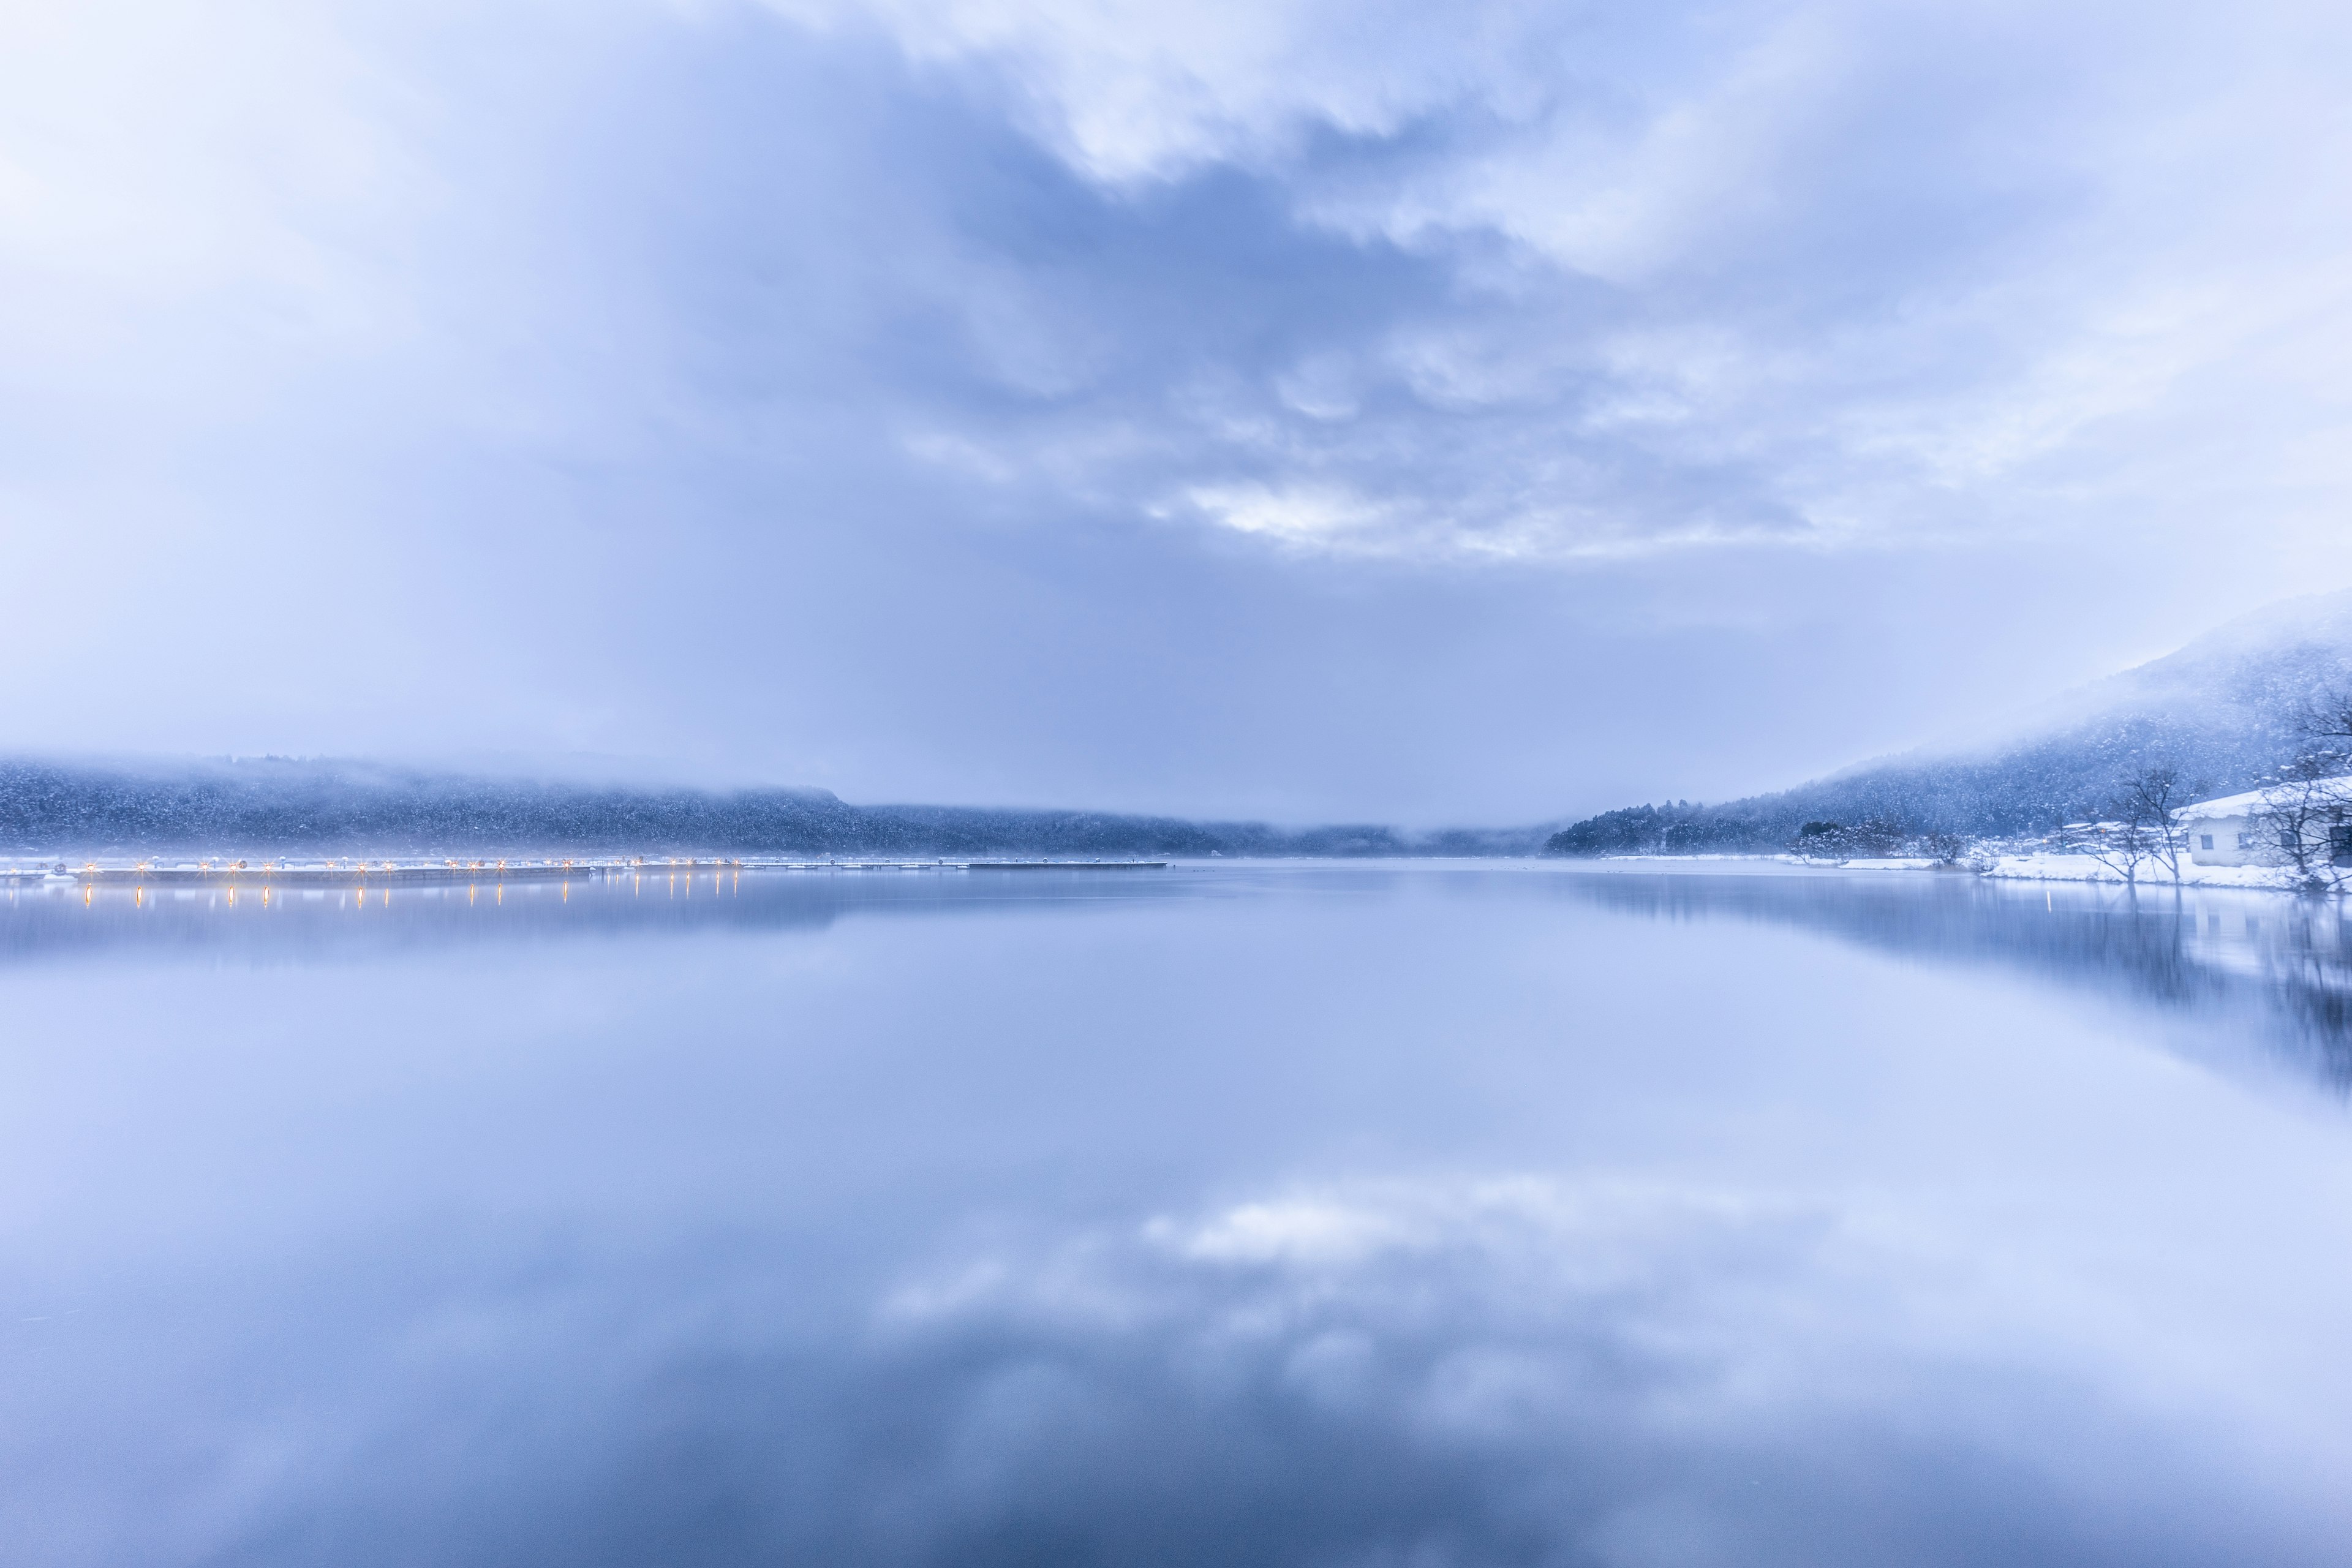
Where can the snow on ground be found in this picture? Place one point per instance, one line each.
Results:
(2039, 866)
(2045, 867)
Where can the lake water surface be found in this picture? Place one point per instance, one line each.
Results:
(1395, 1217)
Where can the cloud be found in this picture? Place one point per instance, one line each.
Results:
(1307, 326)
(1131, 93)
(1848, 275)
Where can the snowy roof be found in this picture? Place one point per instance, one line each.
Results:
(2252, 803)
(2245, 805)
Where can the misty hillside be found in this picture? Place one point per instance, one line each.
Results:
(275, 806)
(2225, 711)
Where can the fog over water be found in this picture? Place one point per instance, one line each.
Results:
(1239, 1215)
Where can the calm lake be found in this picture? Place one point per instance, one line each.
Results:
(1395, 1217)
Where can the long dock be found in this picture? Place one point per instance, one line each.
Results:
(1066, 865)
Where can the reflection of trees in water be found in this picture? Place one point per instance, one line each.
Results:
(2310, 968)
(2281, 966)
(2276, 968)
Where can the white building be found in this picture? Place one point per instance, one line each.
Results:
(2230, 831)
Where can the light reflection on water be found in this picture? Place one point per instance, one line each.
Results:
(1242, 1214)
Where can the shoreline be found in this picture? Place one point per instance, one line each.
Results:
(2041, 867)
(400, 871)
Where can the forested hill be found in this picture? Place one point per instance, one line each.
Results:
(2225, 712)
(276, 806)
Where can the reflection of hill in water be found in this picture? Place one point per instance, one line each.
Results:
(43, 921)
(2281, 967)
(2250, 965)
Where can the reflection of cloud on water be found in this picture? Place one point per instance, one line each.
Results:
(1506, 1373)
(2084, 1326)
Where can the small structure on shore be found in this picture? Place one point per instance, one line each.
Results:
(2300, 824)
(2230, 831)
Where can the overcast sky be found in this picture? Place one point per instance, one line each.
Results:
(1409, 411)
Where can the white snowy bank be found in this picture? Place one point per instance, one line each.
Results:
(2049, 868)
(2039, 867)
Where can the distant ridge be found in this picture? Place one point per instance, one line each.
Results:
(2224, 709)
(275, 806)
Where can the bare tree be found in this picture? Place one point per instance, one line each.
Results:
(2325, 722)
(2152, 801)
(2121, 846)
(2308, 813)
(2308, 807)
(2139, 829)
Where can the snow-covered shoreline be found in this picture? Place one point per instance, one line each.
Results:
(2038, 866)
(2045, 867)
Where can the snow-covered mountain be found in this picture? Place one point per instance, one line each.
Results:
(2237, 691)
(2225, 711)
